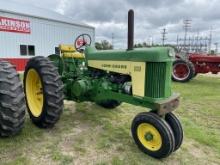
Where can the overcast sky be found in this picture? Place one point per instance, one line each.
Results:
(151, 16)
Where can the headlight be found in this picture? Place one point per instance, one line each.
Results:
(171, 53)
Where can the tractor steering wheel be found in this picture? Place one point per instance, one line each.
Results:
(82, 41)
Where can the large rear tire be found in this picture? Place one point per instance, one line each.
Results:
(183, 71)
(44, 92)
(12, 101)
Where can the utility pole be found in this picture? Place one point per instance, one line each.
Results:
(197, 41)
(200, 44)
(206, 45)
(163, 35)
(210, 40)
(177, 42)
(186, 26)
(113, 37)
(193, 43)
(216, 47)
(150, 40)
(189, 44)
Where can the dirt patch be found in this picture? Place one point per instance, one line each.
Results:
(210, 75)
(205, 154)
(69, 105)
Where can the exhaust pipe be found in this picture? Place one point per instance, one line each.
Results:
(130, 29)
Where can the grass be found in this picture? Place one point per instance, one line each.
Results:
(89, 134)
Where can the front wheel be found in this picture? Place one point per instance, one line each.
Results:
(177, 129)
(43, 92)
(153, 135)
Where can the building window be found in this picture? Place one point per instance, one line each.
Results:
(23, 50)
(31, 50)
(57, 50)
(27, 50)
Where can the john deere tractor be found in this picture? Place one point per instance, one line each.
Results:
(12, 101)
(139, 77)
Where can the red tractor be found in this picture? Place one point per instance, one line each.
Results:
(187, 66)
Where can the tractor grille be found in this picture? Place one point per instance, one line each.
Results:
(158, 79)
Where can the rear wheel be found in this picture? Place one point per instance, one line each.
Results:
(183, 71)
(153, 135)
(43, 91)
(12, 101)
(109, 104)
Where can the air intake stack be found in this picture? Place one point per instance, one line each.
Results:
(130, 29)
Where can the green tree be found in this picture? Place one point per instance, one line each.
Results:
(141, 45)
(103, 45)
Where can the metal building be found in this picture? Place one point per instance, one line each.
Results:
(27, 31)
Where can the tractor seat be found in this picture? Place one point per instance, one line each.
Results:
(68, 51)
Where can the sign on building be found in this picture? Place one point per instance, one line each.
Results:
(14, 25)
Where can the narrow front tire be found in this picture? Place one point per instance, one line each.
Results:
(177, 129)
(153, 135)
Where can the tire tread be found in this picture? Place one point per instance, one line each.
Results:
(52, 89)
(12, 101)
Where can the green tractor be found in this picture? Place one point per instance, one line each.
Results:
(137, 76)
(12, 101)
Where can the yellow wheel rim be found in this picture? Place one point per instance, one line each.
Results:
(34, 92)
(149, 136)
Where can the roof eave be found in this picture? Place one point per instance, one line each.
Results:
(45, 18)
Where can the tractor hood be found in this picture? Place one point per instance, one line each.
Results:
(155, 54)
